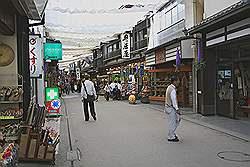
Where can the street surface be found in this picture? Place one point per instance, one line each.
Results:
(128, 135)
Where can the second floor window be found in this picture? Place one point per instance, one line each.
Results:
(141, 35)
(172, 16)
(110, 49)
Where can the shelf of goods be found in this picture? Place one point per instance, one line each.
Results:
(158, 90)
(9, 155)
(36, 142)
(11, 114)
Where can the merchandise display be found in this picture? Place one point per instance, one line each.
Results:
(11, 93)
(11, 114)
(9, 155)
(11, 132)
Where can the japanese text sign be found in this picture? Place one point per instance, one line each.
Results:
(35, 53)
(125, 39)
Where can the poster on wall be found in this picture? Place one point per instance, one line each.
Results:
(125, 40)
(35, 53)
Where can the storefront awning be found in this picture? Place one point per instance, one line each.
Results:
(33, 9)
(226, 16)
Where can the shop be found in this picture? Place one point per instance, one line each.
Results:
(161, 65)
(223, 85)
(14, 53)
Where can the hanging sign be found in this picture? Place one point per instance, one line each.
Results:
(53, 106)
(53, 51)
(125, 40)
(35, 53)
(78, 74)
(52, 94)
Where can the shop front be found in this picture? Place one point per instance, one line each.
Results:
(231, 77)
(224, 84)
(161, 66)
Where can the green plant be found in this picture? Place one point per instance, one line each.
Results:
(200, 65)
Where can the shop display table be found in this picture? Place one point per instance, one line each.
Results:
(245, 110)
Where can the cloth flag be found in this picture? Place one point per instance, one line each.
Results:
(178, 58)
(199, 56)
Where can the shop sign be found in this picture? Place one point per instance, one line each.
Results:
(160, 56)
(53, 106)
(35, 53)
(125, 40)
(53, 51)
(52, 94)
(78, 74)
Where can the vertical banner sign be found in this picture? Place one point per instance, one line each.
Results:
(35, 52)
(125, 39)
(78, 74)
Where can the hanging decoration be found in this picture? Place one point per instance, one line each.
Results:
(141, 70)
(178, 59)
(199, 63)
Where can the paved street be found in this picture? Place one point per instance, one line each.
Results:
(134, 135)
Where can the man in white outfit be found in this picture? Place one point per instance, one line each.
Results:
(88, 88)
(172, 109)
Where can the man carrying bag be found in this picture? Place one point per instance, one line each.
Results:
(172, 109)
(88, 94)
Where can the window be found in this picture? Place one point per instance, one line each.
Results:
(181, 11)
(162, 21)
(174, 15)
(119, 45)
(168, 19)
(145, 34)
(137, 37)
(141, 36)
(115, 47)
(110, 49)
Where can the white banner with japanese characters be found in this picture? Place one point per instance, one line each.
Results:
(35, 52)
(125, 39)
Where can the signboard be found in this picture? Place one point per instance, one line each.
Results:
(125, 40)
(78, 74)
(160, 56)
(35, 52)
(53, 51)
(52, 94)
(53, 106)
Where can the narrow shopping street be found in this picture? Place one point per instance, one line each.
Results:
(135, 135)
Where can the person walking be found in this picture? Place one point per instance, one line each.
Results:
(172, 109)
(107, 91)
(67, 87)
(88, 94)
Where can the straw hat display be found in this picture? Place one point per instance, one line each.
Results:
(7, 55)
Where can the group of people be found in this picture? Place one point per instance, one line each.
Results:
(89, 95)
(66, 86)
(114, 90)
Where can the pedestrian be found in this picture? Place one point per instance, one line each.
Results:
(72, 86)
(172, 109)
(67, 87)
(112, 87)
(119, 91)
(97, 88)
(88, 94)
(79, 86)
(107, 91)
